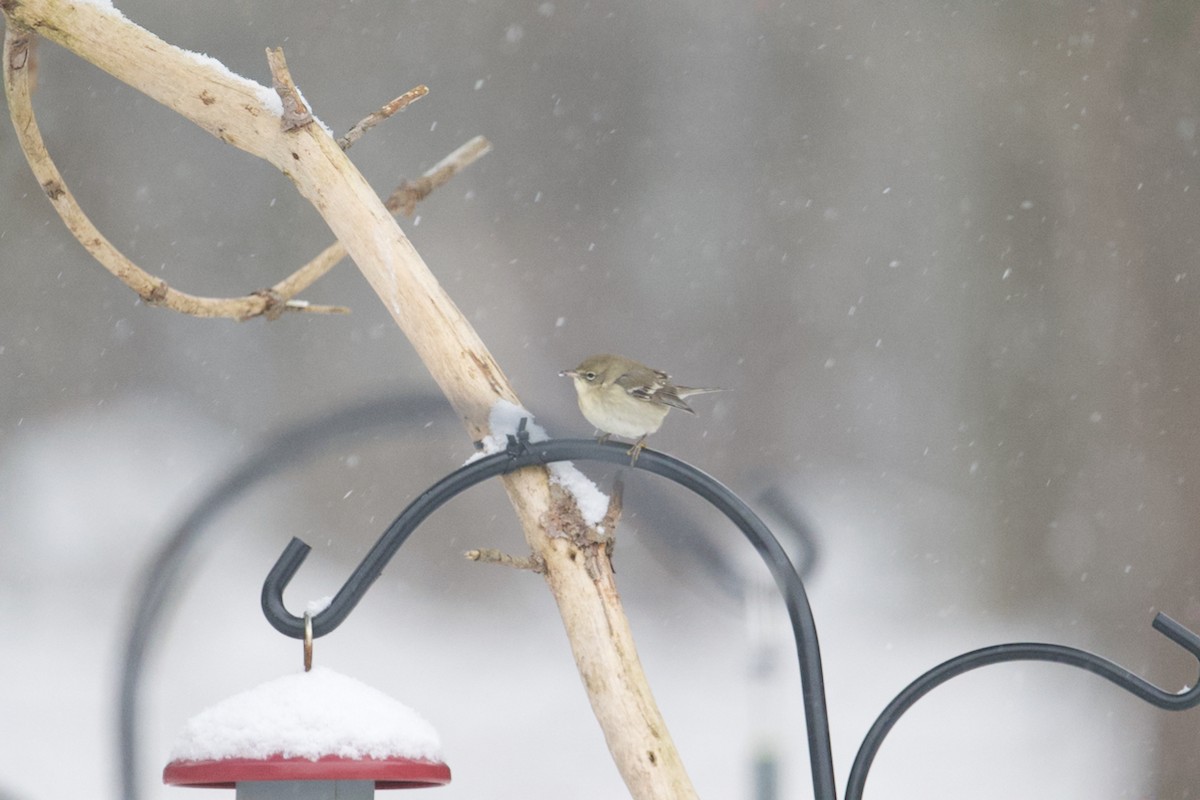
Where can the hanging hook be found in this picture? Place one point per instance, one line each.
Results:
(522, 453)
(997, 654)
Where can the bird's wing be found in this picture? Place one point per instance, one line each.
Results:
(654, 386)
(668, 396)
(642, 382)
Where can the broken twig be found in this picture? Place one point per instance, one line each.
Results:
(375, 117)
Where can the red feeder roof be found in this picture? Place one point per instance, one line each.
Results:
(388, 773)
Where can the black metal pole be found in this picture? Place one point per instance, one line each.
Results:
(522, 453)
(1025, 651)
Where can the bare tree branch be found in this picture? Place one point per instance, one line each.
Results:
(247, 115)
(402, 200)
(487, 556)
(20, 48)
(295, 110)
(375, 117)
(409, 193)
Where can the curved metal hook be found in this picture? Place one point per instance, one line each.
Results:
(164, 573)
(997, 654)
(775, 501)
(521, 453)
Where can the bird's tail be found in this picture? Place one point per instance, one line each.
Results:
(684, 392)
(675, 397)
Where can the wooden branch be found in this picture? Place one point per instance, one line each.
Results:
(409, 193)
(20, 50)
(375, 117)
(608, 525)
(248, 116)
(402, 200)
(295, 110)
(19, 47)
(532, 563)
(616, 503)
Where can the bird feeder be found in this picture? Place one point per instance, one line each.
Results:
(311, 736)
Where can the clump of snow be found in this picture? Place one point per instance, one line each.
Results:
(308, 715)
(504, 419)
(593, 503)
(309, 106)
(103, 5)
(268, 98)
(314, 607)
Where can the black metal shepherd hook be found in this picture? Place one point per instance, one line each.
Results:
(522, 453)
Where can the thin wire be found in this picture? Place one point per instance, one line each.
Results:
(308, 642)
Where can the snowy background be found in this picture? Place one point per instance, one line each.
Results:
(944, 253)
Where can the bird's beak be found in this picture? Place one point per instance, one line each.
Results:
(567, 373)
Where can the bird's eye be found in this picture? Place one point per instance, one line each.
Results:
(589, 376)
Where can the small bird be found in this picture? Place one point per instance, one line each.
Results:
(620, 396)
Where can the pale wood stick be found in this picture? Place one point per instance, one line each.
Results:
(402, 200)
(406, 196)
(490, 556)
(375, 117)
(270, 303)
(18, 84)
(245, 114)
(295, 111)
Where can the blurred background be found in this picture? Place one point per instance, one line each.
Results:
(943, 253)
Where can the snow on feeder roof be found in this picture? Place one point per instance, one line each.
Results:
(311, 726)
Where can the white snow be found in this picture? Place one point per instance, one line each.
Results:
(314, 607)
(309, 106)
(267, 97)
(103, 5)
(504, 419)
(593, 503)
(308, 715)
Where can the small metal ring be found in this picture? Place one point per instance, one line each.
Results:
(308, 641)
